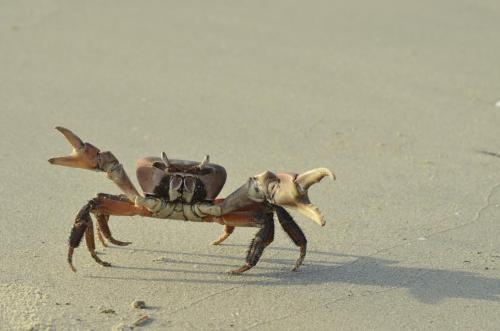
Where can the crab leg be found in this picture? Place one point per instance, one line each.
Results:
(228, 229)
(104, 231)
(102, 206)
(294, 232)
(82, 222)
(100, 235)
(87, 156)
(262, 239)
(258, 219)
(89, 240)
(251, 218)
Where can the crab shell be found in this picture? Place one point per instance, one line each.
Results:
(150, 175)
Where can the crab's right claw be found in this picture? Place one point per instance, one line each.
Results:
(291, 190)
(302, 184)
(308, 178)
(84, 155)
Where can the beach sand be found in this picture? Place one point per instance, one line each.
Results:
(397, 98)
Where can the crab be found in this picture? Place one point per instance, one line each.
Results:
(187, 190)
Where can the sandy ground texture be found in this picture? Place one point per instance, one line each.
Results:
(397, 97)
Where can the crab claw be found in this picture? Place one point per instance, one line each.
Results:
(84, 155)
(291, 190)
(311, 177)
(310, 211)
(73, 139)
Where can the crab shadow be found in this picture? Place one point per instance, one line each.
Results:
(425, 284)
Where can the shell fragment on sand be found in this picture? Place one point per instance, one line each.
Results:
(139, 304)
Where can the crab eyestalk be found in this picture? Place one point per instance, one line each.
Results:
(165, 159)
(205, 161)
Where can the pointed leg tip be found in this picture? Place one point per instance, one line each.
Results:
(63, 130)
(241, 270)
(297, 265)
(238, 271)
(122, 243)
(52, 160)
(70, 258)
(321, 222)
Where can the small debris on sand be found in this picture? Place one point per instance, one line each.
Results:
(139, 304)
(107, 311)
(141, 321)
(161, 259)
(121, 327)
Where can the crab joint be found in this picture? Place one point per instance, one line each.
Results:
(108, 163)
(160, 208)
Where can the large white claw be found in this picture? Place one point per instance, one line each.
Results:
(310, 211)
(308, 178)
(292, 191)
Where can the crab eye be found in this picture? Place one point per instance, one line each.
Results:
(176, 182)
(189, 184)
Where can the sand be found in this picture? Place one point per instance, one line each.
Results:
(397, 98)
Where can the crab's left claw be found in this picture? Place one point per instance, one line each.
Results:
(87, 156)
(84, 155)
